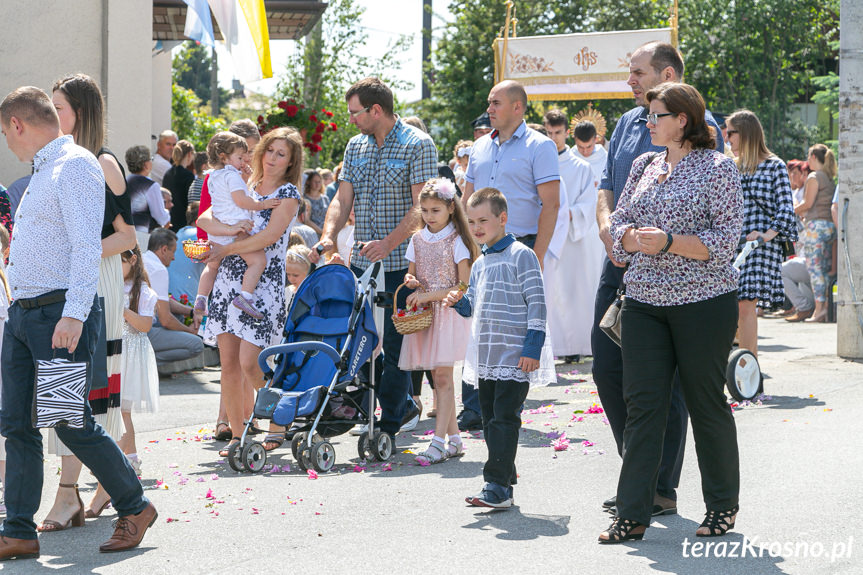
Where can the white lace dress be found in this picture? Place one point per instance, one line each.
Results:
(140, 391)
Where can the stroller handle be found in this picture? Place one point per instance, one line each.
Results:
(301, 346)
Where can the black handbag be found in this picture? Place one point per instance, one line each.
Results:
(610, 322)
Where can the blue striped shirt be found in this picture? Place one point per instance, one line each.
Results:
(630, 139)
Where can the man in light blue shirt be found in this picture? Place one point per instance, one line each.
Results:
(650, 65)
(523, 164)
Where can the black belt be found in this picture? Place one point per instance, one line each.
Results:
(51, 297)
(527, 238)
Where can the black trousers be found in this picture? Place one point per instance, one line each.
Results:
(608, 376)
(500, 403)
(696, 339)
(417, 381)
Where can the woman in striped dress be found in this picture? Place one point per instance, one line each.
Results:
(768, 213)
(80, 107)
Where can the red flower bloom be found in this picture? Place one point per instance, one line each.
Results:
(320, 127)
(313, 118)
(316, 138)
(329, 114)
(291, 111)
(260, 119)
(283, 105)
(333, 126)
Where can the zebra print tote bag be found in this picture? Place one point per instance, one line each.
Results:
(60, 393)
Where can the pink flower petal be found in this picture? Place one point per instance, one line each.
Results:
(312, 474)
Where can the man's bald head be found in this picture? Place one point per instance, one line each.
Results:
(663, 56)
(514, 92)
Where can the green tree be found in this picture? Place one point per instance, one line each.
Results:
(189, 118)
(191, 69)
(325, 65)
(759, 54)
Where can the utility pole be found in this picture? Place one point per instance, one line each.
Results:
(850, 257)
(427, 31)
(214, 85)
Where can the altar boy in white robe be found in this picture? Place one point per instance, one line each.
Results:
(571, 279)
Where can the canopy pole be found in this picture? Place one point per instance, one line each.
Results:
(673, 22)
(505, 40)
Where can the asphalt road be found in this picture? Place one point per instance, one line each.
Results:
(799, 499)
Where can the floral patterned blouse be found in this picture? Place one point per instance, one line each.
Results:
(701, 197)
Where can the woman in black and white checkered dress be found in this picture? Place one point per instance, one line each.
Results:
(768, 212)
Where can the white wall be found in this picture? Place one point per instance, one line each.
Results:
(161, 103)
(43, 41)
(128, 84)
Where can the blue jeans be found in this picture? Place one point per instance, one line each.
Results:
(393, 390)
(26, 339)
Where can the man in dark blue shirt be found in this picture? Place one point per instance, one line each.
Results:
(650, 65)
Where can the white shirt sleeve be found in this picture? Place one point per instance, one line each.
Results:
(159, 279)
(157, 204)
(410, 255)
(235, 182)
(459, 251)
(147, 301)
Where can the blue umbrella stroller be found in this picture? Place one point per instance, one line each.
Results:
(316, 385)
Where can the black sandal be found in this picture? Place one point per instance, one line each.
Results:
(224, 452)
(718, 522)
(621, 530)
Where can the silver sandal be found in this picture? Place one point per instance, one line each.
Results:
(434, 454)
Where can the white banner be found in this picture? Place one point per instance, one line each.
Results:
(574, 66)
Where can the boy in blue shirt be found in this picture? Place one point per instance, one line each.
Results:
(508, 351)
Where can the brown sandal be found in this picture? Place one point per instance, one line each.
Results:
(77, 520)
(91, 514)
(223, 431)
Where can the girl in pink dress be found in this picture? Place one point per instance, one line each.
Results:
(440, 256)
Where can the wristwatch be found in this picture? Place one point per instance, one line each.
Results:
(668, 243)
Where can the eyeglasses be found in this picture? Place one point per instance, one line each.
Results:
(732, 132)
(358, 112)
(652, 118)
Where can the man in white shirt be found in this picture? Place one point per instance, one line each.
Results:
(171, 339)
(588, 150)
(162, 158)
(571, 280)
(55, 312)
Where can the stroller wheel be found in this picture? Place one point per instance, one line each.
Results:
(304, 458)
(323, 456)
(382, 446)
(254, 456)
(743, 375)
(364, 449)
(296, 441)
(234, 457)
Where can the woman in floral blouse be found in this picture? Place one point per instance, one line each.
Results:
(677, 224)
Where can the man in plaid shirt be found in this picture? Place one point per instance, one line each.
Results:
(385, 167)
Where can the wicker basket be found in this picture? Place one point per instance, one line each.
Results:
(413, 322)
(196, 250)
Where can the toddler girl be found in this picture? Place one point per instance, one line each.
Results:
(231, 205)
(440, 256)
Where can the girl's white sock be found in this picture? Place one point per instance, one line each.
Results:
(248, 296)
(454, 438)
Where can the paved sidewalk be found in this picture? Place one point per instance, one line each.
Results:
(800, 491)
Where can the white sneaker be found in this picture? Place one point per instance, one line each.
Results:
(359, 429)
(411, 424)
